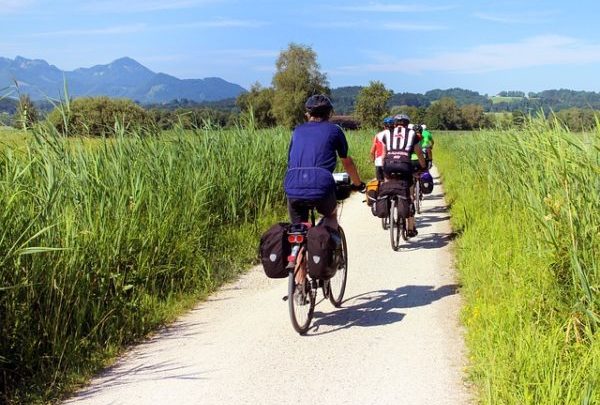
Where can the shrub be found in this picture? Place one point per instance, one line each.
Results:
(98, 116)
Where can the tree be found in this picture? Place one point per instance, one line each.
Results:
(576, 119)
(297, 77)
(257, 106)
(371, 104)
(444, 114)
(27, 114)
(473, 116)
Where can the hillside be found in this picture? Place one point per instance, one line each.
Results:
(123, 77)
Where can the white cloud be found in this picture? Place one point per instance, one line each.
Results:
(10, 6)
(246, 53)
(233, 23)
(521, 18)
(536, 51)
(216, 23)
(402, 26)
(140, 6)
(381, 26)
(394, 8)
(141, 27)
(115, 30)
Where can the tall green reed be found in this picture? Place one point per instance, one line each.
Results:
(101, 238)
(526, 206)
(98, 236)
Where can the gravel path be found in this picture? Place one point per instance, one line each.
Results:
(396, 339)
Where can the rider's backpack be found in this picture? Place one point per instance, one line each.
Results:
(427, 183)
(274, 250)
(321, 243)
(381, 206)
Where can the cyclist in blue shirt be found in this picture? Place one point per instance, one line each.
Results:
(312, 156)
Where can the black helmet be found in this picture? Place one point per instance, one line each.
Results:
(401, 117)
(318, 105)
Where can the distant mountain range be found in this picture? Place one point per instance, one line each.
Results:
(122, 78)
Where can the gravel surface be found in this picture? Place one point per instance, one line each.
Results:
(396, 339)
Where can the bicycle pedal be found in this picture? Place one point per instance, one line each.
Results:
(285, 298)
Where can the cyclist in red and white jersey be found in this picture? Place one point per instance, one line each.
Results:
(378, 146)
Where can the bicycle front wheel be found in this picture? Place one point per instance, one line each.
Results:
(337, 283)
(301, 303)
(395, 224)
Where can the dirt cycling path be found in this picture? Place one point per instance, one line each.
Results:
(396, 340)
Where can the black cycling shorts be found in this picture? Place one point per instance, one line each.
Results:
(299, 209)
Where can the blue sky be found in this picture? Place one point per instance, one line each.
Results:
(486, 46)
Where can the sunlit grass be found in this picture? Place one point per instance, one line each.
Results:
(103, 240)
(526, 206)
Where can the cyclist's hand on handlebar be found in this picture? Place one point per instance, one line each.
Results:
(359, 187)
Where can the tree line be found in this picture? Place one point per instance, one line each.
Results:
(298, 76)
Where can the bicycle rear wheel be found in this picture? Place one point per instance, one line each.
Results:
(337, 283)
(301, 303)
(395, 224)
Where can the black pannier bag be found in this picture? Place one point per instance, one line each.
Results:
(397, 163)
(274, 250)
(381, 206)
(320, 246)
(401, 189)
(406, 209)
(395, 187)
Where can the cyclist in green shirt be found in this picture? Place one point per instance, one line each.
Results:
(426, 143)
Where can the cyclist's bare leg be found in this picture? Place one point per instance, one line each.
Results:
(410, 222)
(300, 269)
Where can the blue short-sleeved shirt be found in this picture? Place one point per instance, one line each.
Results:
(312, 159)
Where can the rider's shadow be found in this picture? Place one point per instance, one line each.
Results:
(378, 307)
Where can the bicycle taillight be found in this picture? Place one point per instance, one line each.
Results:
(295, 238)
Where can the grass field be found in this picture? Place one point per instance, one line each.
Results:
(500, 99)
(101, 241)
(526, 207)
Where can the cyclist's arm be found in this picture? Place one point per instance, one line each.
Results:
(419, 153)
(350, 168)
(372, 152)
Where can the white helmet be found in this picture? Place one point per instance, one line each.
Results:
(424, 126)
(411, 126)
